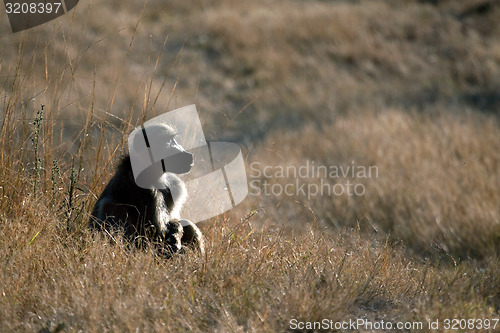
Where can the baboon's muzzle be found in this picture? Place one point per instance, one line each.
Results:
(178, 163)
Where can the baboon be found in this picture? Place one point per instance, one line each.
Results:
(150, 211)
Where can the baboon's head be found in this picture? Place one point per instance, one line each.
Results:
(177, 160)
(158, 143)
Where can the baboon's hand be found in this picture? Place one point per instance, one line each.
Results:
(192, 236)
(172, 238)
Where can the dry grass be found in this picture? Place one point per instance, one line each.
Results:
(437, 184)
(405, 86)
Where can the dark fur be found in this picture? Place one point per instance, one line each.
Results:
(140, 214)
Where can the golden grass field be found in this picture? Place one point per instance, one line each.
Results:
(409, 87)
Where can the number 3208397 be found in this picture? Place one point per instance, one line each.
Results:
(32, 8)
